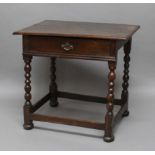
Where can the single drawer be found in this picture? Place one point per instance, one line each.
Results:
(68, 47)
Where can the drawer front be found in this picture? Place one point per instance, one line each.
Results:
(67, 47)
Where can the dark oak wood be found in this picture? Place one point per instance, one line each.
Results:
(87, 98)
(28, 105)
(53, 85)
(80, 30)
(108, 136)
(119, 115)
(125, 85)
(41, 102)
(81, 48)
(68, 121)
(77, 40)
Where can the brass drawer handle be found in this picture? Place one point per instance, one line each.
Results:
(67, 46)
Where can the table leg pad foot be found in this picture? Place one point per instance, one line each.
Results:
(125, 114)
(28, 126)
(108, 139)
(54, 104)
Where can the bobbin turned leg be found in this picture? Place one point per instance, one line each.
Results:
(108, 135)
(53, 85)
(125, 85)
(28, 124)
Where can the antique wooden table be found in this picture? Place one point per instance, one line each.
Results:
(77, 40)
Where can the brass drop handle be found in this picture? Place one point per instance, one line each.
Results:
(67, 46)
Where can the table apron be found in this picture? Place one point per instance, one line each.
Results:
(65, 47)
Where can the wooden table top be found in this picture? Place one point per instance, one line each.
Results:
(80, 29)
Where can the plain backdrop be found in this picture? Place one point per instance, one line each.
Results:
(135, 132)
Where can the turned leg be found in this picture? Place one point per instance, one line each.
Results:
(125, 85)
(53, 85)
(108, 135)
(28, 124)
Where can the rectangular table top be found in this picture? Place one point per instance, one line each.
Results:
(80, 29)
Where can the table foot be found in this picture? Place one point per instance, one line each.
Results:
(108, 139)
(55, 104)
(125, 114)
(28, 126)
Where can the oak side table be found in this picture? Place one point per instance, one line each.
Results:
(77, 40)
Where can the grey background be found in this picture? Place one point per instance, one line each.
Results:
(89, 77)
